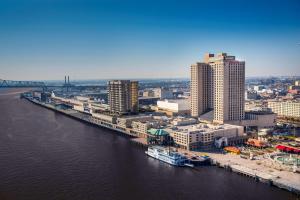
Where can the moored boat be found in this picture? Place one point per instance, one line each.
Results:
(167, 156)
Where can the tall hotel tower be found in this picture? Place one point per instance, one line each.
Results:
(218, 84)
(123, 96)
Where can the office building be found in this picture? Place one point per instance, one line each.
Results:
(123, 96)
(218, 84)
(201, 89)
(134, 96)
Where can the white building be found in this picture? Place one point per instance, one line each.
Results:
(259, 88)
(174, 106)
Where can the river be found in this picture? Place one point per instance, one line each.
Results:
(46, 155)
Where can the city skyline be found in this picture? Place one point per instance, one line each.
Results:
(134, 40)
(131, 99)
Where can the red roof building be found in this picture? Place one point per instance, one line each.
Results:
(288, 149)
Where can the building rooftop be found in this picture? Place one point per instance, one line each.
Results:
(137, 116)
(202, 127)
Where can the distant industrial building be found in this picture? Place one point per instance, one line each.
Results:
(123, 96)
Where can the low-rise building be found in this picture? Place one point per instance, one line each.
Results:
(140, 128)
(259, 119)
(251, 94)
(105, 118)
(78, 105)
(259, 88)
(163, 93)
(285, 108)
(183, 121)
(148, 93)
(98, 107)
(126, 121)
(174, 107)
(194, 137)
(294, 91)
(148, 100)
(45, 96)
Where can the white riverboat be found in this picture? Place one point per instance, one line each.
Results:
(168, 156)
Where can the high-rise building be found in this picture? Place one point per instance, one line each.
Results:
(201, 89)
(134, 96)
(218, 84)
(123, 96)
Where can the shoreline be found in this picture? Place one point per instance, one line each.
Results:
(222, 161)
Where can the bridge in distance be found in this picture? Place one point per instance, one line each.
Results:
(39, 84)
(18, 84)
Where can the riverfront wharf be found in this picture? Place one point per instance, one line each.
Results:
(260, 172)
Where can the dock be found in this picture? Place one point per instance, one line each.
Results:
(257, 170)
(86, 118)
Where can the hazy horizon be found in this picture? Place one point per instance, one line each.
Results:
(144, 79)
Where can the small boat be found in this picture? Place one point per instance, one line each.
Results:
(199, 160)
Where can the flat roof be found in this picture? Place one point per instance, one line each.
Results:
(202, 127)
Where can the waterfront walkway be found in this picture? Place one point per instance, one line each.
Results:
(255, 168)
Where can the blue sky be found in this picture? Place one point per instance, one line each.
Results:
(46, 39)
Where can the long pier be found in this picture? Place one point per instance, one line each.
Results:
(86, 119)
